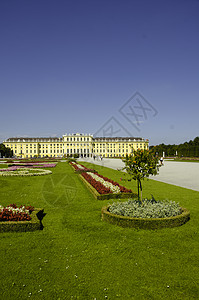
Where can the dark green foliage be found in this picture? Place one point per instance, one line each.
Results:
(141, 165)
(5, 151)
(187, 149)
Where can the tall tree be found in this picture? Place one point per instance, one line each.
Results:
(5, 151)
(188, 149)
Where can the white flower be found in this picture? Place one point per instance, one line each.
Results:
(114, 188)
(80, 167)
(26, 172)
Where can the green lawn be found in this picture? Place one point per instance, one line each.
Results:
(196, 160)
(187, 160)
(78, 256)
(3, 166)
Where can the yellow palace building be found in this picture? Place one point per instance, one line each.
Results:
(84, 145)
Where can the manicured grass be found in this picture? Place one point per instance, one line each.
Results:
(187, 160)
(196, 159)
(77, 256)
(3, 166)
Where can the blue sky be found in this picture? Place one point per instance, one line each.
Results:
(100, 67)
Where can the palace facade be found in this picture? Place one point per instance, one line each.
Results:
(75, 144)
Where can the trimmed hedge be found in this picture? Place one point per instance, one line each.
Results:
(21, 226)
(147, 223)
(106, 196)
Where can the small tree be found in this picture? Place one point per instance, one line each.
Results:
(140, 165)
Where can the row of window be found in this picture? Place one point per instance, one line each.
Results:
(46, 145)
(109, 150)
(60, 145)
(44, 151)
(76, 139)
(77, 151)
(57, 151)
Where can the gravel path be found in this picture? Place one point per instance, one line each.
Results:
(184, 174)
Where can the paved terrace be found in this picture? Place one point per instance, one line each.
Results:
(184, 174)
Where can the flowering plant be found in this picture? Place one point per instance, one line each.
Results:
(14, 213)
(100, 188)
(113, 188)
(15, 171)
(32, 165)
(151, 208)
(80, 168)
(102, 184)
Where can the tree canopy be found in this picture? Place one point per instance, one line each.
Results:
(5, 151)
(141, 165)
(187, 149)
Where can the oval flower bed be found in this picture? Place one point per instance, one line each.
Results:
(102, 187)
(30, 161)
(151, 215)
(23, 218)
(15, 171)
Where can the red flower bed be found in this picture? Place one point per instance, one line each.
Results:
(122, 188)
(101, 189)
(14, 213)
(75, 166)
(83, 169)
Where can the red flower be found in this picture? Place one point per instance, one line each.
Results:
(10, 215)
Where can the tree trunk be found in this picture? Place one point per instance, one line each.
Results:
(141, 191)
(138, 184)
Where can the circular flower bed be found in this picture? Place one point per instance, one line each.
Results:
(149, 215)
(25, 172)
(147, 209)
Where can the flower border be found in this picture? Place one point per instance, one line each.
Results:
(100, 191)
(14, 213)
(23, 226)
(23, 172)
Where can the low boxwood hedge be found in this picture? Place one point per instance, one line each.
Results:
(34, 224)
(145, 223)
